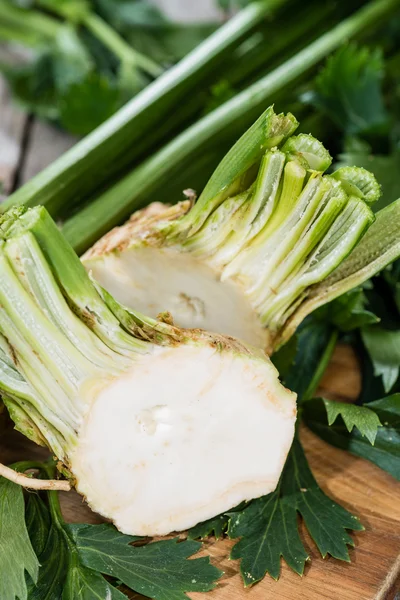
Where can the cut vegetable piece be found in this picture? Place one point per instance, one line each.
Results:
(175, 418)
(242, 260)
(136, 410)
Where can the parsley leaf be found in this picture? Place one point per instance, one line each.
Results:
(80, 70)
(158, 570)
(385, 452)
(216, 526)
(383, 347)
(366, 421)
(87, 103)
(348, 89)
(268, 526)
(16, 552)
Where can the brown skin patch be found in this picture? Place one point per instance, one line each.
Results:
(13, 354)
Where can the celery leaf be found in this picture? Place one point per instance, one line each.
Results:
(16, 553)
(268, 526)
(215, 526)
(62, 576)
(159, 570)
(349, 311)
(348, 89)
(365, 419)
(84, 584)
(385, 452)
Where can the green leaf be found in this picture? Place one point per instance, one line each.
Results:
(392, 277)
(33, 85)
(386, 168)
(325, 520)
(285, 357)
(366, 421)
(316, 340)
(50, 543)
(383, 347)
(128, 15)
(16, 552)
(71, 61)
(348, 89)
(158, 570)
(268, 526)
(84, 584)
(388, 410)
(348, 313)
(61, 575)
(136, 13)
(87, 104)
(38, 522)
(216, 527)
(385, 452)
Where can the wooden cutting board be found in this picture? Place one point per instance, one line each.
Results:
(365, 490)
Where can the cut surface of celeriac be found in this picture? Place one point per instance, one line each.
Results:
(242, 261)
(158, 427)
(155, 280)
(192, 432)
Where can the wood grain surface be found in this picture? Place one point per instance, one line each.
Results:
(361, 487)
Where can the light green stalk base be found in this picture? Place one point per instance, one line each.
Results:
(268, 226)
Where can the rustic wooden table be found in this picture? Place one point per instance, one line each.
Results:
(28, 145)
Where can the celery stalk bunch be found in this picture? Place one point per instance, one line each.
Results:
(244, 259)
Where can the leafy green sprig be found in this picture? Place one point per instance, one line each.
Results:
(44, 558)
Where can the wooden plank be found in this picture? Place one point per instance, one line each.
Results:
(12, 126)
(358, 485)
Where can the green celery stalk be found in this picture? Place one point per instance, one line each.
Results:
(104, 153)
(379, 247)
(149, 180)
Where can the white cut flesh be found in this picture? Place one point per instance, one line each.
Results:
(153, 280)
(191, 431)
